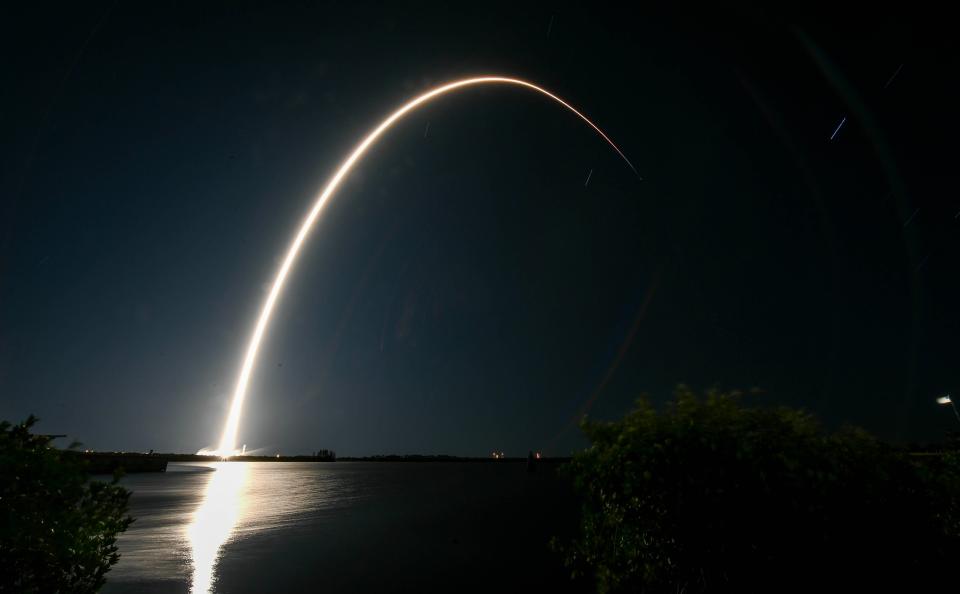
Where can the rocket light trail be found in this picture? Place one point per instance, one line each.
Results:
(228, 440)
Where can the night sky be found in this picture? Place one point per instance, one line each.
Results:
(466, 290)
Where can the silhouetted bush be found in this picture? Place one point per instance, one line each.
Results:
(58, 528)
(709, 495)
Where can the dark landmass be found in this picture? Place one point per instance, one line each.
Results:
(109, 462)
(443, 458)
(274, 458)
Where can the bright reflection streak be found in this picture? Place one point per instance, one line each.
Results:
(214, 521)
(228, 442)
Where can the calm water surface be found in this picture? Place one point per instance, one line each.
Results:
(238, 527)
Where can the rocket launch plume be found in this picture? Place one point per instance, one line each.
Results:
(228, 440)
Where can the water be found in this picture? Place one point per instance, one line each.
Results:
(344, 527)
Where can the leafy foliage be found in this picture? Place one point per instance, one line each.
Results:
(58, 528)
(711, 495)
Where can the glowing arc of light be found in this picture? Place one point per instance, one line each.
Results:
(229, 439)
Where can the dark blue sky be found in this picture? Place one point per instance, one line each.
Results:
(465, 292)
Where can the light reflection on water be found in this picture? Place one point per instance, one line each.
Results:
(254, 527)
(214, 521)
(188, 518)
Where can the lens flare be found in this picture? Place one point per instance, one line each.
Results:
(228, 440)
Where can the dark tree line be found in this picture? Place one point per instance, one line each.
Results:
(711, 495)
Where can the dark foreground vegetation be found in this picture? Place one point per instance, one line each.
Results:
(58, 528)
(712, 495)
